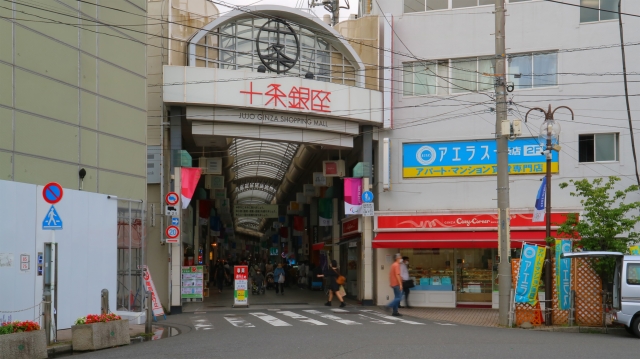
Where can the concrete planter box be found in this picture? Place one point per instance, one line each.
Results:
(28, 345)
(100, 335)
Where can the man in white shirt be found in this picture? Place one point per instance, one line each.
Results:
(406, 280)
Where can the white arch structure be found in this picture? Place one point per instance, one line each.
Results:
(296, 16)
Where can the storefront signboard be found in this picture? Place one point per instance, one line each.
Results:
(240, 286)
(192, 282)
(256, 210)
(563, 274)
(472, 158)
(151, 288)
(350, 226)
(457, 222)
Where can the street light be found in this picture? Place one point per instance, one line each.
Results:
(550, 136)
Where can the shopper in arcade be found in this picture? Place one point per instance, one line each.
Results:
(332, 274)
(279, 277)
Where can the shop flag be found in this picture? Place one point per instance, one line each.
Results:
(635, 250)
(529, 274)
(538, 212)
(352, 196)
(189, 178)
(325, 212)
(563, 274)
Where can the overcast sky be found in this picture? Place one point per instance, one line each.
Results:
(319, 10)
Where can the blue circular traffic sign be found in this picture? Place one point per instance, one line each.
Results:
(52, 193)
(367, 196)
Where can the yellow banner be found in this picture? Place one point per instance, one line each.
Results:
(477, 170)
(537, 272)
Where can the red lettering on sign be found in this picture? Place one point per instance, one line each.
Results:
(275, 93)
(319, 100)
(300, 97)
(251, 93)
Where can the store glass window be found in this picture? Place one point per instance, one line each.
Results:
(431, 269)
(475, 275)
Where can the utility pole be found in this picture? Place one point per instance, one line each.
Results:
(332, 6)
(504, 237)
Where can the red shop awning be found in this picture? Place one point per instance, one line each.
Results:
(455, 239)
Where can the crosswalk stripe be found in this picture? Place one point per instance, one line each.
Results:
(271, 320)
(376, 320)
(332, 317)
(201, 323)
(238, 322)
(302, 318)
(389, 317)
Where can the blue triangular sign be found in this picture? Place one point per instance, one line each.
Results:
(52, 220)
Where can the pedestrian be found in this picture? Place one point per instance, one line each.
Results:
(221, 275)
(279, 278)
(407, 283)
(334, 283)
(395, 281)
(269, 268)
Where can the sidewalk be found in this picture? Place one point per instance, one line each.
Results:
(466, 316)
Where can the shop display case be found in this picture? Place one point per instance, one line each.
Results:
(432, 279)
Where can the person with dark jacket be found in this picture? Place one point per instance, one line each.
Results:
(332, 275)
(221, 275)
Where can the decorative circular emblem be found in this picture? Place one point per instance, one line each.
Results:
(278, 46)
(426, 155)
(529, 252)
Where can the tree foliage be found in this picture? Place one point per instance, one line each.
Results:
(607, 222)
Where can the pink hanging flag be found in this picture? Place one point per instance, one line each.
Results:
(352, 196)
(188, 182)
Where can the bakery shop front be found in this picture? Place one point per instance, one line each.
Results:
(452, 256)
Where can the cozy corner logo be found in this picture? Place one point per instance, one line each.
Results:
(426, 155)
(277, 57)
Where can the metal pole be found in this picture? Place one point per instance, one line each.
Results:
(335, 15)
(548, 278)
(147, 327)
(626, 92)
(504, 241)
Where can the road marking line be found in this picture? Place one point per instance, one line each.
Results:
(201, 323)
(332, 317)
(389, 317)
(375, 320)
(302, 318)
(271, 320)
(339, 311)
(446, 324)
(238, 322)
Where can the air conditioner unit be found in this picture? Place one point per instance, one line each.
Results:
(333, 168)
(210, 166)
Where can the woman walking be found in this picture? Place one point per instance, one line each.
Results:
(279, 278)
(334, 278)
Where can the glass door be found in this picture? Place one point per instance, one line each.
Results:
(474, 275)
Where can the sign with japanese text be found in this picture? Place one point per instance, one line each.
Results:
(472, 158)
(192, 284)
(151, 288)
(271, 92)
(240, 285)
(256, 210)
(351, 225)
(463, 222)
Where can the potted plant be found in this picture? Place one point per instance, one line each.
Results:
(22, 340)
(99, 331)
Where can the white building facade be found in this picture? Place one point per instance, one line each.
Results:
(437, 205)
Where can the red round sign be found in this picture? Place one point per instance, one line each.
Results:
(172, 198)
(52, 193)
(172, 232)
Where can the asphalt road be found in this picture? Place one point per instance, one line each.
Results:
(312, 331)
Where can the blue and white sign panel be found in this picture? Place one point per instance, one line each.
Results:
(175, 221)
(52, 220)
(472, 158)
(367, 196)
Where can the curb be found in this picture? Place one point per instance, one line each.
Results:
(59, 348)
(594, 330)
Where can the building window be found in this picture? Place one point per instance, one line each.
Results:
(591, 10)
(533, 70)
(600, 147)
(425, 78)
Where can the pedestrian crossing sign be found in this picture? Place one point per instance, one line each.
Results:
(52, 220)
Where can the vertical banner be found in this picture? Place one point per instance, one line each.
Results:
(325, 212)
(214, 226)
(529, 274)
(563, 274)
(298, 225)
(188, 181)
(538, 212)
(352, 195)
(151, 288)
(240, 286)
